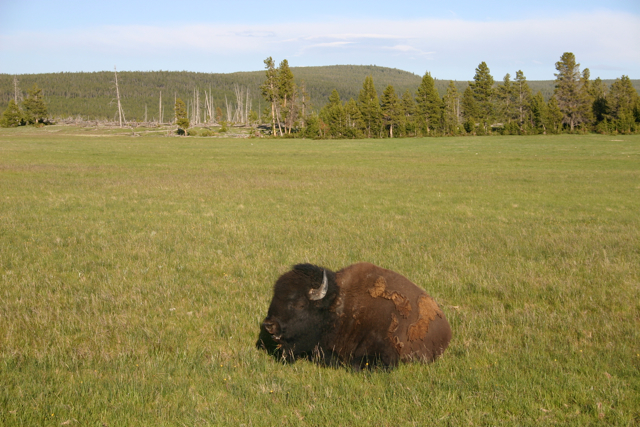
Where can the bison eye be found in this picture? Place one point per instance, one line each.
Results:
(297, 305)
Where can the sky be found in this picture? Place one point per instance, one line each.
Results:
(447, 39)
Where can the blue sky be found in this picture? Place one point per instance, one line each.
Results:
(448, 39)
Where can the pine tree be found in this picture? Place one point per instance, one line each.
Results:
(293, 109)
(522, 94)
(483, 93)
(623, 99)
(555, 116)
(569, 92)
(391, 109)
(353, 119)
(451, 110)
(12, 116)
(470, 110)
(408, 105)
(506, 102)
(182, 119)
(586, 99)
(539, 113)
(312, 128)
(369, 107)
(598, 91)
(35, 110)
(428, 104)
(333, 115)
(270, 91)
(286, 90)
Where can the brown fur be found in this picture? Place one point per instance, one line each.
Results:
(377, 299)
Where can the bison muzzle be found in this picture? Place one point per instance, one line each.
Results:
(361, 316)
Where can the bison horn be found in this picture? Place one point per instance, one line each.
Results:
(317, 294)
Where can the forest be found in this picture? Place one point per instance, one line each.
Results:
(340, 101)
(484, 107)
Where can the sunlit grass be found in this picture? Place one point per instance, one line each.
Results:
(135, 271)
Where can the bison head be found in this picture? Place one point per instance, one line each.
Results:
(299, 312)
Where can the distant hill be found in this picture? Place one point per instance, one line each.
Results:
(91, 95)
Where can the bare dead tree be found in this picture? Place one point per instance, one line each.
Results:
(305, 98)
(196, 106)
(208, 101)
(15, 89)
(120, 112)
(229, 115)
(206, 116)
(213, 107)
(279, 118)
(295, 107)
(239, 92)
(247, 108)
(160, 109)
(192, 117)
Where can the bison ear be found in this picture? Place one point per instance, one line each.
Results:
(318, 294)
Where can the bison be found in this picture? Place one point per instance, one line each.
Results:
(362, 316)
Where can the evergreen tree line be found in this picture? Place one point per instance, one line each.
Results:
(578, 104)
(91, 96)
(145, 96)
(150, 96)
(408, 106)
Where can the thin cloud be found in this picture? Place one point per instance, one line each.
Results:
(256, 34)
(403, 48)
(441, 44)
(331, 44)
(357, 36)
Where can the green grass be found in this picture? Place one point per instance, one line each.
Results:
(134, 273)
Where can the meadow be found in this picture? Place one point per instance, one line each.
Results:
(135, 271)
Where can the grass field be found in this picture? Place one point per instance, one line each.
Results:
(134, 273)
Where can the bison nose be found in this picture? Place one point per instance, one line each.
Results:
(271, 326)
